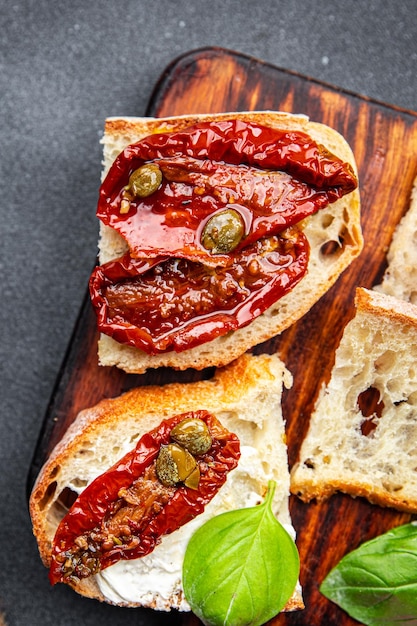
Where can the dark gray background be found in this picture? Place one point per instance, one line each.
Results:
(65, 66)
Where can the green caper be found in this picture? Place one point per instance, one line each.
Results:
(223, 231)
(145, 180)
(175, 464)
(193, 479)
(193, 434)
(166, 468)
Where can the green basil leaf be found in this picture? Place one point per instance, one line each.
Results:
(377, 583)
(241, 567)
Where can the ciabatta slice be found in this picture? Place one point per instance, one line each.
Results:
(363, 431)
(400, 277)
(334, 234)
(245, 397)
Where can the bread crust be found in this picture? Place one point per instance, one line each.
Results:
(387, 306)
(308, 491)
(237, 395)
(338, 224)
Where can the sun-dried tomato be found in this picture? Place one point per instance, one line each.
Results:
(274, 178)
(177, 304)
(125, 511)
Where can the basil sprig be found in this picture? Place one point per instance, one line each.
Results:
(240, 567)
(377, 583)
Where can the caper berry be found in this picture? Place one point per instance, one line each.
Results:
(145, 180)
(193, 434)
(223, 231)
(175, 464)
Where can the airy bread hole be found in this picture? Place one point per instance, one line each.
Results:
(386, 361)
(392, 486)
(309, 463)
(345, 371)
(48, 496)
(53, 474)
(362, 335)
(331, 249)
(396, 386)
(334, 248)
(67, 497)
(87, 450)
(327, 220)
(371, 406)
(132, 439)
(61, 506)
(232, 415)
(79, 483)
(266, 468)
(274, 312)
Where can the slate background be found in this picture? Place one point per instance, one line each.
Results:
(64, 67)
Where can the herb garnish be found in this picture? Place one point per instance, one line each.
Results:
(240, 567)
(377, 583)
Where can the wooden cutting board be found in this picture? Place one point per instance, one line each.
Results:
(384, 141)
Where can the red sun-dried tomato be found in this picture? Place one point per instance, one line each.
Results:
(126, 510)
(177, 304)
(274, 178)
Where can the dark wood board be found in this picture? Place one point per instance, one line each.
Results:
(384, 141)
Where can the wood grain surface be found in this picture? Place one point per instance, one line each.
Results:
(384, 141)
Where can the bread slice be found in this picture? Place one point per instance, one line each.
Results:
(363, 431)
(400, 277)
(334, 234)
(245, 396)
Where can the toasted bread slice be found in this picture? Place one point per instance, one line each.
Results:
(362, 433)
(334, 235)
(244, 396)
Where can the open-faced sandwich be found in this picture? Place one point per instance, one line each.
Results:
(217, 233)
(116, 504)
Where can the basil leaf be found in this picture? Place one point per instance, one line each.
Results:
(377, 583)
(240, 567)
